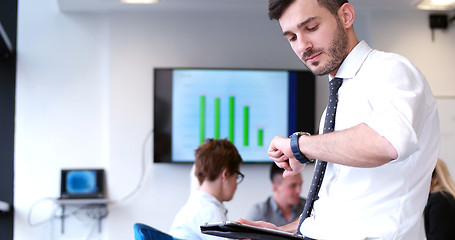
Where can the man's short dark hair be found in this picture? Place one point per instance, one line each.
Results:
(274, 171)
(277, 7)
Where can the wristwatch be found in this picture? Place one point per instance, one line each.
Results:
(296, 150)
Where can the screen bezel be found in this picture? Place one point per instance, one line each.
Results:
(301, 104)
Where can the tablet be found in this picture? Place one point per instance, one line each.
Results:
(236, 230)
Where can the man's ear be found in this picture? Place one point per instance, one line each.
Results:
(346, 14)
(224, 174)
(275, 186)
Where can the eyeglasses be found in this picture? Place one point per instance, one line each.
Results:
(240, 176)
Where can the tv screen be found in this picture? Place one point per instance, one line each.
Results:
(246, 106)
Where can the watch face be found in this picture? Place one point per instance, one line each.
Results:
(296, 134)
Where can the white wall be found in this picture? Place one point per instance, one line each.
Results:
(61, 106)
(408, 33)
(84, 84)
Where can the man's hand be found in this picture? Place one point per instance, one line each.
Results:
(290, 227)
(280, 152)
(258, 223)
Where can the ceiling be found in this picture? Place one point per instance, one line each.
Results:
(192, 5)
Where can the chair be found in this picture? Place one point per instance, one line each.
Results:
(145, 232)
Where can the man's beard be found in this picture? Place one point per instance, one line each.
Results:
(337, 53)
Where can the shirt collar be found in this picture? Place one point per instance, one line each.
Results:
(274, 205)
(352, 63)
(208, 197)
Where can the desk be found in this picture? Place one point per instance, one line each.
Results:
(100, 204)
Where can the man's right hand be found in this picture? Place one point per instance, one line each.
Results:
(258, 223)
(290, 227)
(281, 153)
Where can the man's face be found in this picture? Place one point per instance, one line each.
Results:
(288, 191)
(316, 36)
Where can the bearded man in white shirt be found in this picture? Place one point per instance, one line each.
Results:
(385, 144)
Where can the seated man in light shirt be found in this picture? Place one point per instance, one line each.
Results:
(285, 203)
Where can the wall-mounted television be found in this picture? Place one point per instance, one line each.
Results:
(246, 106)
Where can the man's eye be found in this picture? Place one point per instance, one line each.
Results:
(292, 38)
(312, 28)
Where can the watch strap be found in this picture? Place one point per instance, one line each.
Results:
(296, 150)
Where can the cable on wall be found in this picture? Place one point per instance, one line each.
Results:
(91, 211)
(53, 215)
(143, 168)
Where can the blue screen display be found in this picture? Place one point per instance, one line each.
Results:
(81, 182)
(254, 91)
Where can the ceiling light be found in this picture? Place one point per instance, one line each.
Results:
(441, 5)
(139, 1)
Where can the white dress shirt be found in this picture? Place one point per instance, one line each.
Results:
(200, 208)
(389, 94)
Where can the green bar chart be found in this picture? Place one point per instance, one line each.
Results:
(225, 105)
(217, 112)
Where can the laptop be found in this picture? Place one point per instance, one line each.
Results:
(236, 230)
(82, 184)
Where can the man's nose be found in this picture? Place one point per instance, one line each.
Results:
(303, 45)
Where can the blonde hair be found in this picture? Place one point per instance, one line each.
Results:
(441, 180)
